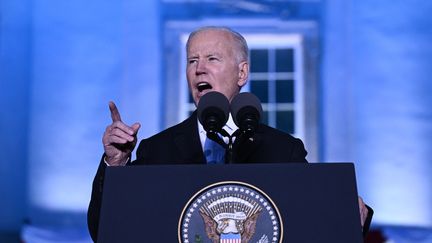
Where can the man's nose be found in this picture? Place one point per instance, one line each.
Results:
(201, 68)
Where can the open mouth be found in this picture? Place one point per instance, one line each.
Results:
(203, 86)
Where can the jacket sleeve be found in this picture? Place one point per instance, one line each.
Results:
(93, 212)
(368, 221)
(299, 152)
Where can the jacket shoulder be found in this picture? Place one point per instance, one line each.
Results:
(162, 146)
(281, 145)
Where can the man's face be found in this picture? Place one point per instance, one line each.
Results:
(212, 65)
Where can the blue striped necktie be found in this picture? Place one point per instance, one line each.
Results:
(214, 152)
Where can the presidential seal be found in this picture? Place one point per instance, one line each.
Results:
(230, 212)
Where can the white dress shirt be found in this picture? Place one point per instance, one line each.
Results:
(230, 127)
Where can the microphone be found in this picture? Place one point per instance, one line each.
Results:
(246, 110)
(213, 111)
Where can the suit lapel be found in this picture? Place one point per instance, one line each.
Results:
(187, 140)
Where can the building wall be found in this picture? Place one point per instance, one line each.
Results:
(376, 106)
(15, 53)
(61, 63)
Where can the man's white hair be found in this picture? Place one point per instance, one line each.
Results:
(241, 50)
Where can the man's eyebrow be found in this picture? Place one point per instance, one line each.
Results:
(192, 56)
(213, 54)
(207, 55)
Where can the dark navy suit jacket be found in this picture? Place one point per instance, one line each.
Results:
(181, 144)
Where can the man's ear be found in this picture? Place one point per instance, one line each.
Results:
(243, 73)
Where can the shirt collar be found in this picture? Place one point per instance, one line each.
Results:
(230, 127)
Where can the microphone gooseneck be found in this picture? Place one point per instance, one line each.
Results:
(213, 113)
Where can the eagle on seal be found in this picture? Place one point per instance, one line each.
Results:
(246, 228)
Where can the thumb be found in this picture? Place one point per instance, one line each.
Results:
(136, 126)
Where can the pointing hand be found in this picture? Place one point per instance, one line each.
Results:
(119, 139)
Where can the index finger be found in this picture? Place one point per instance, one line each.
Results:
(115, 114)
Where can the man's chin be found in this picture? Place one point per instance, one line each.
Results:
(201, 94)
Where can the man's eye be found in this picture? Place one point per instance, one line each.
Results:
(192, 61)
(213, 59)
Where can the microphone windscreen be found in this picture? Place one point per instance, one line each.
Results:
(213, 110)
(245, 102)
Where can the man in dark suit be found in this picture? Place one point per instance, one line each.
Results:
(217, 60)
